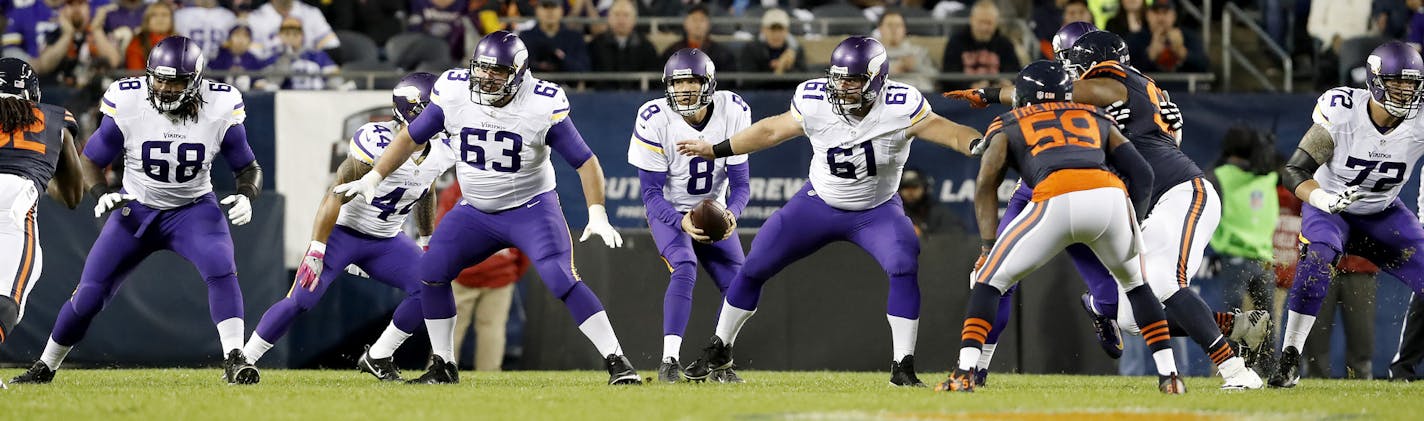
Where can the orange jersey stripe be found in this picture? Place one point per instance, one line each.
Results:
(1189, 228)
(1071, 180)
(28, 261)
(1007, 242)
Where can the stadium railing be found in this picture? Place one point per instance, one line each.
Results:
(1232, 15)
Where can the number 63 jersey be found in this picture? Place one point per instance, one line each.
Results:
(1380, 163)
(689, 179)
(857, 166)
(166, 161)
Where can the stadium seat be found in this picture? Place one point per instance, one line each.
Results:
(355, 48)
(925, 29)
(843, 11)
(412, 49)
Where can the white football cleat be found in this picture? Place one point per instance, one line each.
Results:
(1240, 377)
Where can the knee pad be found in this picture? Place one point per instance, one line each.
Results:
(9, 316)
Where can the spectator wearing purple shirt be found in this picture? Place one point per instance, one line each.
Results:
(553, 47)
(27, 28)
(236, 56)
(444, 19)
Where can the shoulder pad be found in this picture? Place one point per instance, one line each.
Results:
(123, 94)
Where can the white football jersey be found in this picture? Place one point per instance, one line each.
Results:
(653, 147)
(841, 150)
(1380, 163)
(166, 161)
(207, 26)
(395, 198)
(505, 161)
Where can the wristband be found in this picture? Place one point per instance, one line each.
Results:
(723, 150)
(991, 95)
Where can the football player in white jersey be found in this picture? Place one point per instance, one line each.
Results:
(673, 184)
(168, 127)
(503, 123)
(1349, 167)
(206, 23)
(369, 234)
(860, 124)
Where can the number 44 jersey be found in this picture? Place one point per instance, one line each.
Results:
(653, 147)
(166, 161)
(398, 193)
(1380, 163)
(856, 165)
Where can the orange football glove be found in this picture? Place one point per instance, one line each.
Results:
(975, 97)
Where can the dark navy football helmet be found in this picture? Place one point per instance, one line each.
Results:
(175, 73)
(18, 79)
(859, 68)
(1042, 81)
(1068, 35)
(1396, 78)
(694, 64)
(1093, 48)
(498, 67)
(411, 95)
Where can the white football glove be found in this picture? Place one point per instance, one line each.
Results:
(109, 201)
(1170, 114)
(1334, 203)
(1120, 113)
(598, 224)
(356, 270)
(365, 187)
(310, 271)
(241, 211)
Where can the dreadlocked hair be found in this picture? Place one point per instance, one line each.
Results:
(189, 110)
(17, 114)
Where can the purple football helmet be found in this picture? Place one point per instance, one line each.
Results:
(499, 65)
(175, 73)
(1396, 78)
(1069, 34)
(689, 63)
(411, 95)
(857, 74)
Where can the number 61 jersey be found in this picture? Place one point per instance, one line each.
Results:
(1380, 163)
(841, 150)
(166, 161)
(689, 179)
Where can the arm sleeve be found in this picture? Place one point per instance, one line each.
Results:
(740, 191)
(657, 206)
(106, 143)
(427, 124)
(565, 140)
(235, 149)
(1139, 176)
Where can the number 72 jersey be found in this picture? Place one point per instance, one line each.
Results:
(1380, 163)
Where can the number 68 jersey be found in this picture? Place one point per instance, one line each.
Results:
(1380, 163)
(857, 165)
(166, 161)
(689, 179)
(398, 193)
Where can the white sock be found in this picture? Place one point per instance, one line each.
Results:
(1166, 364)
(672, 346)
(968, 356)
(390, 339)
(54, 354)
(230, 334)
(256, 348)
(729, 324)
(1297, 328)
(985, 356)
(903, 334)
(442, 337)
(600, 332)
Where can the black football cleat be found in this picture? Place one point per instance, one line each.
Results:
(1106, 327)
(726, 375)
(902, 373)
(1287, 369)
(958, 381)
(620, 371)
(383, 368)
(716, 356)
(669, 371)
(39, 373)
(1171, 384)
(981, 377)
(440, 372)
(236, 369)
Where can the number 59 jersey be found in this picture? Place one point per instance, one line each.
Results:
(653, 147)
(857, 165)
(503, 150)
(166, 161)
(1380, 163)
(397, 194)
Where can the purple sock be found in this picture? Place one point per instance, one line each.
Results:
(224, 297)
(677, 303)
(904, 299)
(582, 303)
(1312, 279)
(1001, 319)
(437, 301)
(407, 317)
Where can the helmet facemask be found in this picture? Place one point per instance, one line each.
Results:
(491, 83)
(848, 93)
(169, 91)
(688, 102)
(1401, 94)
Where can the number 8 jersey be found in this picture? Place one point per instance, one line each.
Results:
(689, 179)
(841, 150)
(166, 161)
(1380, 163)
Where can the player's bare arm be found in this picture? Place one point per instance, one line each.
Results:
(1101, 92)
(1137, 171)
(941, 131)
(68, 184)
(986, 195)
(768, 132)
(425, 215)
(1315, 149)
(396, 153)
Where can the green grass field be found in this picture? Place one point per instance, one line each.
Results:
(307, 394)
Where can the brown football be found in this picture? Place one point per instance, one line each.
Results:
(709, 217)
